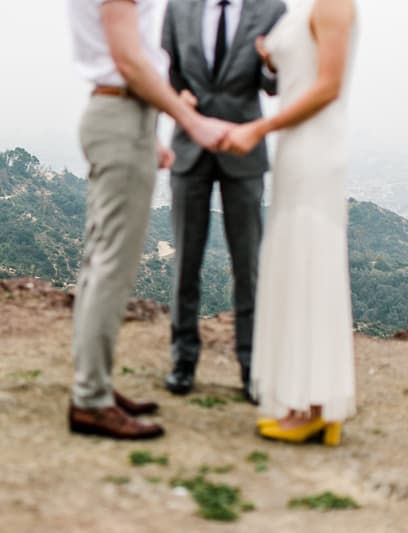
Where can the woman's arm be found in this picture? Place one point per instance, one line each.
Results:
(331, 25)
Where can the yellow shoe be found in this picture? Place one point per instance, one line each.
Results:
(331, 432)
(265, 422)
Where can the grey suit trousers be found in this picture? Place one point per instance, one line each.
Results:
(118, 139)
(191, 197)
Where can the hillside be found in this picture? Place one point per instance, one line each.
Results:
(42, 217)
(52, 481)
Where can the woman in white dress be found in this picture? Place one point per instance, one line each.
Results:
(303, 368)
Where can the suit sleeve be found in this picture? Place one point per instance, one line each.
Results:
(269, 80)
(169, 43)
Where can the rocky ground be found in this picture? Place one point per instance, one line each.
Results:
(54, 482)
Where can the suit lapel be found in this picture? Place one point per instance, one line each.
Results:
(240, 37)
(197, 13)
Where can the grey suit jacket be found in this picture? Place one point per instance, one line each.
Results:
(234, 94)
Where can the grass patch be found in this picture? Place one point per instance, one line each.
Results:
(238, 398)
(378, 431)
(208, 402)
(248, 507)
(27, 375)
(142, 457)
(260, 460)
(117, 480)
(327, 501)
(216, 501)
(258, 457)
(126, 370)
(225, 469)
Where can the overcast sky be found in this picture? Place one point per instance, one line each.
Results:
(41, 97)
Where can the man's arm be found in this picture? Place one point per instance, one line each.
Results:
(169, 43)
(120, 22)
(269, 80)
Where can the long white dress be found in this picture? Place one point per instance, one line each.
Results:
(303, 349)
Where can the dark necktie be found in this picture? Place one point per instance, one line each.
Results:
(221, 42)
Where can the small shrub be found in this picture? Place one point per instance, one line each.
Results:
(127, 370)
(326, 501)
(225, 469)
(28, 375)
(141, 458)
(219, 502)
(208, 402)
(260, 460)
(258, 457)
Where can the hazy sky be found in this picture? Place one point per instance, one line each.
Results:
(41, 97)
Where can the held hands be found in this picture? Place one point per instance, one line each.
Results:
(242, 139)
(218, 135)
(210, 133)
(205, 131)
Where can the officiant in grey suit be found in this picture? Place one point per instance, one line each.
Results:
(215, 66)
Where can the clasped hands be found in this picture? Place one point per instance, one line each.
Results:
(222, 136)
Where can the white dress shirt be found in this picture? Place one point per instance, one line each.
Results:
(211, 17)
(91, 50)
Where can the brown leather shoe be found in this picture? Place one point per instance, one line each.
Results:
(110, 422)
(132, 408)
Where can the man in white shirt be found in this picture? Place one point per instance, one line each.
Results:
(114, 50)
(215, 66)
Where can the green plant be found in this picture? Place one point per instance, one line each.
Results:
(208, 402)
(324, 502)
(28, 375)
(224, 469)
(219, 502)
(258, 457)
(127, 370)
(260, 460)
(237, 398)
(141, 458)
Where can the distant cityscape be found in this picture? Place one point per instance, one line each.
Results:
(371, 179)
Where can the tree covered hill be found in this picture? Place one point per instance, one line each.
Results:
(42, 216)
(41, 219)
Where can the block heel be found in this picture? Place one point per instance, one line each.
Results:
(332, 434)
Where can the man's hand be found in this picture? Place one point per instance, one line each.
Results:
(189, 98)
(242, 139)
(166, 156)
(209, 132)
(263, 53)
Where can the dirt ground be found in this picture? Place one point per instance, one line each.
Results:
(51, 481)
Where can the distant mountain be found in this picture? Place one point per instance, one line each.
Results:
(378, 243)
(41, 219)
(42, 215)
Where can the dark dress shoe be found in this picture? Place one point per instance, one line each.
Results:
(110, 422)
(246, 391)
(246, 381)
(181, 379)
(134, 408)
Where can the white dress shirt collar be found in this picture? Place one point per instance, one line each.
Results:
(211, 17)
